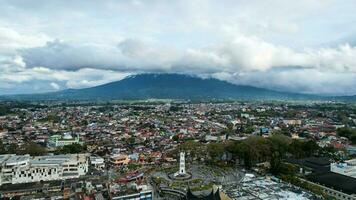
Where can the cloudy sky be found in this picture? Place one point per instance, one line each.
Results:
(306, 46)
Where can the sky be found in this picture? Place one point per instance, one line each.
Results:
(304, 46)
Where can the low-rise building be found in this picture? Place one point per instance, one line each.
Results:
(136, 192)
(347, 168)
(97, 162)
(351, 149)
(142, 195)
(24, 168)
(292, 122)
(66, 139)
(119, 160)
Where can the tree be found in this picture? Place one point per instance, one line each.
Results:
(84, 123)
(2, 147)
(273, 149)
(348, 133)
(279, 142)
(353, 138)
(13, 148)
(302, 149)
(52, 118)
(279, 145)
(253, 149)
(175, 138)
(72, 148)
(344, 132)
(4, 110)
(215, 150)
(259, 148)
(276, 162)
(249, 130)
(33, 149)
(130, 140)
(287, 169)
(343, 117)
(190, 147)
(235, 149)
(310, 147)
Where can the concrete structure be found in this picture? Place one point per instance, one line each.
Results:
(66, 139)
(24, 168)
(142, 195)
(97, 162)
(131, 192)
(351, 150)
(292, 122)
(347, 168)
(332, 192)
(181, 171)
(119, 160)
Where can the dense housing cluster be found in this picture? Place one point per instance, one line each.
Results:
(117, 143)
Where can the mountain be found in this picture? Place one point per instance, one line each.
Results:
(166, 86)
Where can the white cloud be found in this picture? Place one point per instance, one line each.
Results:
(252, 56)
(310, 81)
(45, 79)
(247, 42)
(240, 54)
(55, 86)
(10, 40)
(251, 53)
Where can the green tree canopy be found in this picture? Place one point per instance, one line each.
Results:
(72, 148)
(348, 133)
(33, 149)
(215, 150)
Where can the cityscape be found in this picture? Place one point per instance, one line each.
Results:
(173, 149)
(177, 100)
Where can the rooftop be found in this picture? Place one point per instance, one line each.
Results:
(16, 159)
(337, 181)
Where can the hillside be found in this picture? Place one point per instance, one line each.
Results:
(168, 86)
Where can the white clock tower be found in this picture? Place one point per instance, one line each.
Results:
(181, 171)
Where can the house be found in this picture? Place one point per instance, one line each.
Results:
(119, 160)
(97, 162)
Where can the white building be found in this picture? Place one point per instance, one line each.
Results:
(97, 162)
(245, 115)
(347, 168)
(66, 139)
(24, 168)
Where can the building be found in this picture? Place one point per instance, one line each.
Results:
(211, 196)
(24, 168)
(264, 131)
(142, 195)
(335, 185)
(59, 140)
(292, 122)
(311, 164)
(181, 171)
(351, 150)
(338, 182)
(346, 168)
(209, 138)
(97, 162)
(119, 160)
(131, 192)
